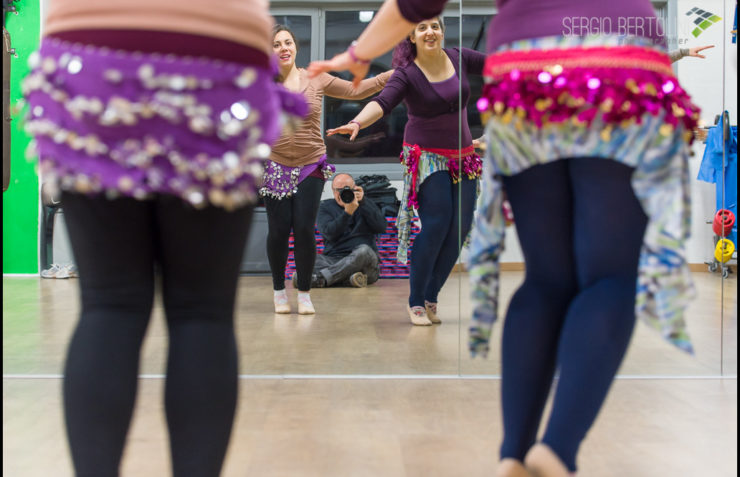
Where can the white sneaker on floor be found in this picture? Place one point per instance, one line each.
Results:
(55, 271)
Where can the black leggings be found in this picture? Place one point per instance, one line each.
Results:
(297, 212)
(581, 230)
(117, 244)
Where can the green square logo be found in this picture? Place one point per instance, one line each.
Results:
(702, 19)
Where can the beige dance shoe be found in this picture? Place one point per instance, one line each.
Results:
(432, 312)
(511, 468)
(281, 302)
(305, 306)
(418, 316)
(541, 461)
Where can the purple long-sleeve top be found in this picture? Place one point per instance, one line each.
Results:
(524, 19)
(432, 112)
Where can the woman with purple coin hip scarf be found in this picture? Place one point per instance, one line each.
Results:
(297, 170)
(154, 118)
(441, 169)
(581, 130)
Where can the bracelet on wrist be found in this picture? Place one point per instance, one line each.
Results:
(351, 52)
(356, 122)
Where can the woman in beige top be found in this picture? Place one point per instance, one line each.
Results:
(153, 117)
(297, 170)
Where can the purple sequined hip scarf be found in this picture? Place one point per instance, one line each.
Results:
(282, 181)
(137, 124)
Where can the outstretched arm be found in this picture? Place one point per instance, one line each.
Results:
(474, 60)
(343, 89)
(395, 19)
(676, 55)
(393, 93)
(369, 114)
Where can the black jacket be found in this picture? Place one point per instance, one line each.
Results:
(343, 232)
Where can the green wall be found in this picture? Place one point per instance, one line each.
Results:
(21, 200)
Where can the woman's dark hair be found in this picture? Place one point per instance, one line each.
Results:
(405, 52)
(278, 28)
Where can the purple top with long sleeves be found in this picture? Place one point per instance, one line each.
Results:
(432, 112)
(524, 19)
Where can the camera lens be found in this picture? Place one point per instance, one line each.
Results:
(347, 194)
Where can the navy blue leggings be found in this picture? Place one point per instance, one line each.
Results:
(581, 229)
(446, 213)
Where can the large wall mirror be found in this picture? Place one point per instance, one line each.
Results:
(712, 316)
(367, 331)
(355, 331)
(728, 189)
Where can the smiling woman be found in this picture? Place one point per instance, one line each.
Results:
(435, 156)
(297, 169)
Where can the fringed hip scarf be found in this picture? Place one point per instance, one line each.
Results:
(420, 163)
(606, 97)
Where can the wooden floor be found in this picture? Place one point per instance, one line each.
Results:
(399, 401)
(357, 331)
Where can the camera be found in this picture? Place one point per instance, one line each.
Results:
(347, 194)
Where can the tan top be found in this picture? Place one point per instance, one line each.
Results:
(246, 22)
(306, 145)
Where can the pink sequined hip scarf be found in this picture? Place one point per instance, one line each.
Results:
(618, 84)
(456, 160)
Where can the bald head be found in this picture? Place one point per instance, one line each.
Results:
(342, 180)
(339, 182)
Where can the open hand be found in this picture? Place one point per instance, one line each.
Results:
(350, 128)
(695, 51)
(340, 62)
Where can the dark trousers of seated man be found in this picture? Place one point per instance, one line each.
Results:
(337, 270)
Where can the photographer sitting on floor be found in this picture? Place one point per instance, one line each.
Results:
(349, 225)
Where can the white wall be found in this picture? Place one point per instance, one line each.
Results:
(730, 63)
(712, 83)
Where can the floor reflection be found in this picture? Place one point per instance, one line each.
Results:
(355, 331)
